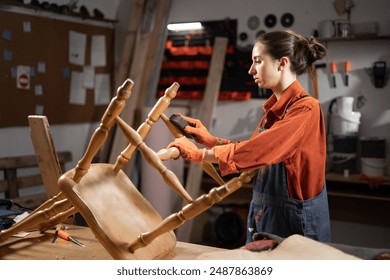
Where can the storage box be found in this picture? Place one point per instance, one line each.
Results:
(365, 28)
(373, 167)
(345, 144)
(342, 162)
(372, 147)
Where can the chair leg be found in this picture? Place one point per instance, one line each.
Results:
(193, 209)
(38, 219)
(144, 129)
(100, 135)
(153, 159)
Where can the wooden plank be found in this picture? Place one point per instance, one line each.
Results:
(129, 42)
(10, 176)
(48, 162)
(141, 70)
(22, 182)
(205, 114)
(127, 56)
(18, 162)
(156, 49)
(30, 160)
(15, 163)
(31, 201)
(120, 142)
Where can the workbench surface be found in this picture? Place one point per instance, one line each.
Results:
(37, 246)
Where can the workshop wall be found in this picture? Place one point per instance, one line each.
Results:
(374, 102)
(362, 54)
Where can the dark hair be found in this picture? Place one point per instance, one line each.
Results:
(302, 52)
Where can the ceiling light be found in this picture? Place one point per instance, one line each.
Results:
(185, 26)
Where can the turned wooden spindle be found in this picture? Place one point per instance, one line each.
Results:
(175, 131)
(99, 136)
(171, 153)
(37, 218)
(41, 223)
(144, 129)
(192, 210)
(153, 159)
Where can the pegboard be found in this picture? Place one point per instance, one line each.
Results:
(38, 76)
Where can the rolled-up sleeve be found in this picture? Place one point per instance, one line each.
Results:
(277, 144)
(224, 155)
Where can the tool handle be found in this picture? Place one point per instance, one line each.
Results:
(347, 66)
(334, 67)
(64, 235)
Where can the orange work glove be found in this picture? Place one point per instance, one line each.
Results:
(187, 149)
(200, 132)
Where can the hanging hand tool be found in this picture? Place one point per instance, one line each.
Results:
(334, 70)
(347, 70)
(64, 235)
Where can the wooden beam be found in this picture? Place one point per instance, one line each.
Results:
(128, 49)
(205, 114)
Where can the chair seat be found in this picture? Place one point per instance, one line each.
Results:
(116, 212)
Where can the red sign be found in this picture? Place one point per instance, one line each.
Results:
(23, 77)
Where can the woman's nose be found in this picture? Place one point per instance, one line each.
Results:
(251, 70)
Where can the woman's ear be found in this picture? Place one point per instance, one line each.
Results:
(283, 63)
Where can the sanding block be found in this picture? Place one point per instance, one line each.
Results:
(180, 123)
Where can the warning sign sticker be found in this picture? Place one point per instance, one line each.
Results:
(23, 74)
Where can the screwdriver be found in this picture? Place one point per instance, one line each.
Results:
(334, 70)
(347, 69)
(64, 235)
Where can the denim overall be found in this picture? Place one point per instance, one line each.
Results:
(273, 211)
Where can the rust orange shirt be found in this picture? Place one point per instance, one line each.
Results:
(295, 135)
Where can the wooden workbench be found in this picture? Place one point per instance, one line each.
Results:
(37, 246)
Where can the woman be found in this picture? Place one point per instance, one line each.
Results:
(288, 146)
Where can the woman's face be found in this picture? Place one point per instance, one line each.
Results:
(264, 68)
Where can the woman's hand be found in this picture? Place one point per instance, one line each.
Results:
(200, 132)
(188, 150)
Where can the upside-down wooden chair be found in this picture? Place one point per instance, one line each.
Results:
(123, 221)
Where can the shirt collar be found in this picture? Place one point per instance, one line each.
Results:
(279, 107)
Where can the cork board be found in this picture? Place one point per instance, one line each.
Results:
(39, 77)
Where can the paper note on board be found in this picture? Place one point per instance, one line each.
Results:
(102, 89)
(98, 50)
(89, 76)
(39, 109)
(77, 46)
(7, 55)
(41, 67)
(38, 89)
(7, 35)
(26, 26)
(77, 90)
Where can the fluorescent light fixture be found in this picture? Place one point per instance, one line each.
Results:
(185, 26)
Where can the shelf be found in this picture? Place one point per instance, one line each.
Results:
(355, 179)
(51, 12)
(352, 39)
